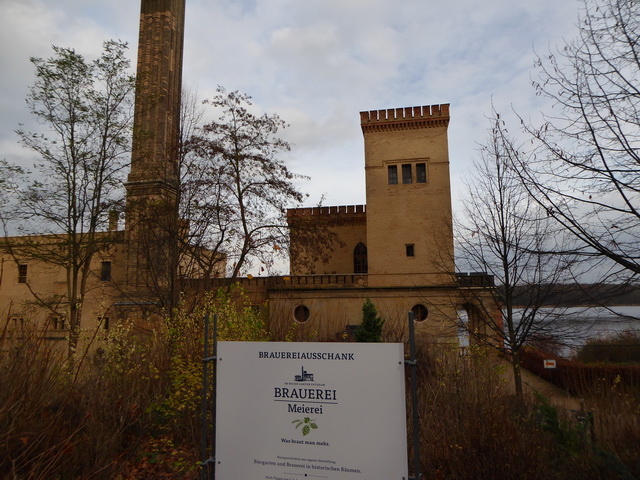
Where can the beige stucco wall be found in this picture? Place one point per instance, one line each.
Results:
(332, 310)
(34, 304)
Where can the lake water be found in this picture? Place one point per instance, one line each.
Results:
(576, 324)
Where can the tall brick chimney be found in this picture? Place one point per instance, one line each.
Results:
(152, 184)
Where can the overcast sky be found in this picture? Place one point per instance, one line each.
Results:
(317, 63)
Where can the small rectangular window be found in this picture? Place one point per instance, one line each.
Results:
(58, 322)
(406, 173)
(421, 172)
(410, 250)
(18, 323)
(22, 274)
(105, 271)
(104, 322)
(392, 171)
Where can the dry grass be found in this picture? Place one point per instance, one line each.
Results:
(131, 412)
(472, 428)
(60, 424)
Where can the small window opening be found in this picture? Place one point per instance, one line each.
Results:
(360, 263)
(105, 271)
(421, 172)
(406, 173)
(420, 312)
(392, 172)
(57, 322)
(410, 250)
(301, 313)
(22, 273)
(18, 323)
(103, 322)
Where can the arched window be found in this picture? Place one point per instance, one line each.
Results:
(360, 264)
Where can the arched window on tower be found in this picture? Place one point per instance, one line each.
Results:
(360, 264)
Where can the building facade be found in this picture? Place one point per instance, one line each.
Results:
(397, 249)
(133, 276)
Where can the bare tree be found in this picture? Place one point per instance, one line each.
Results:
(507, 235)
(233, 196)
(85, 109)
(9, 178)
(586, 171)
(200, 204)
(235, 190)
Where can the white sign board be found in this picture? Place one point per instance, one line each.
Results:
(549, 363)
(293, 411)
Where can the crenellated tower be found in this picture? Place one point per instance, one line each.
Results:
(409, 219)
(152, 184)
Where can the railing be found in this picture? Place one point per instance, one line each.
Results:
(332, 279)
(290, 281)
(464, 280)
(475, 279)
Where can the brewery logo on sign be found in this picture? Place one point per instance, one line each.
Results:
(304, 377)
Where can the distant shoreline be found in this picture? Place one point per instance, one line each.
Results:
(584, 305)
(585, 295)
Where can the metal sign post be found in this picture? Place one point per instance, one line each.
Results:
(414, 399)
(207, 463)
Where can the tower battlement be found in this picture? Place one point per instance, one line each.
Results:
(405, 118)
(341, 210)
(335, 215)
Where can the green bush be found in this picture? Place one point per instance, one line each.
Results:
(370, 330)
(178, 411)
